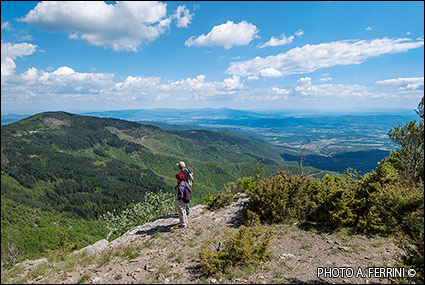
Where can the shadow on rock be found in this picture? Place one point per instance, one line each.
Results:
(156, 229)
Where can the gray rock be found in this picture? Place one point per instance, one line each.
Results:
(95, 248)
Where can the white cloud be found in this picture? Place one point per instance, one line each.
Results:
(305, 89)
(280, 42)
(280, 91)
(198, 84)
(138, 82)
(196, 88)
(277, 42)
(183, 16)
(324, 79)
(226, 35)
(6, 26)
(270, 72)
(368, 28)
(309, 58)
(122, 26)
(404, 83)
(64, 87)
(9, 52)
(66, 76)
(63, 79)
(232, 83)
(299, 33)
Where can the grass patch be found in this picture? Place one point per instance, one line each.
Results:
(279, 273)
(130, 252)
(241, 272)
(147, 244)
(335, 251)
(164, 270)
(357, 247)
(11, 273)
(206, 243)
(69, 266)
(83, 278)
(179, 259)
(104, 259)
(306, 247)
(378, 244)
(39, 270)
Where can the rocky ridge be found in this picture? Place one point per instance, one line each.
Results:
(160, 252)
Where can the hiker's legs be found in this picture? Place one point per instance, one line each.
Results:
(187, 209)
(181, 210)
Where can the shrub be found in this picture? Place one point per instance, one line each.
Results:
(10, 252)
(377, 203)
(245, 184)
(282, 197)
(220, 200)
(387, 201)
(409, 158)
(248, 246)
(335, 201)
(153, 206)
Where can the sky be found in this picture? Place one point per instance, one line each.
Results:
(278, 55)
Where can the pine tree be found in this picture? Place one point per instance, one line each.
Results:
(409, 159)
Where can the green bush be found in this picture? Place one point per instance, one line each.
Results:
(335, 203)
(246, 184)
(282, 197)
(377, 203)
(222, 199)
(152, 206)
(249, 246)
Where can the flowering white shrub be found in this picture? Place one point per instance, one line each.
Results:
(152, 206)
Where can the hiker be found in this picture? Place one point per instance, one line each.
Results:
(180, 204)
(188, 177)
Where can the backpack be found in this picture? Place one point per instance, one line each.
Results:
(187, 194)
(190, 178)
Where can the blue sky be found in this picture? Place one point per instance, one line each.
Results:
(110, 55)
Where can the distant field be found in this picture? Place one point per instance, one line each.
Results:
(359, 160)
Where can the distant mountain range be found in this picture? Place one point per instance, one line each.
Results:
(360, 138)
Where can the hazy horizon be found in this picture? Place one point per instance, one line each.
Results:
(260, 111)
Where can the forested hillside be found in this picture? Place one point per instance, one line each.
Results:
(65, 169)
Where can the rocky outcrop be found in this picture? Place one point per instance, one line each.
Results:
(161, 252)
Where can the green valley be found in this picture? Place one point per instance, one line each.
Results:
(66, 170)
